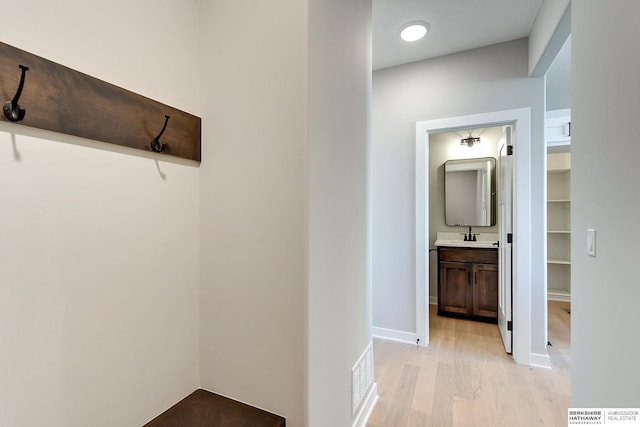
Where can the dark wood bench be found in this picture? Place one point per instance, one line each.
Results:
(205, 409)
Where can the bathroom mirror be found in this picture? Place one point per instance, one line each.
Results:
(469, 192)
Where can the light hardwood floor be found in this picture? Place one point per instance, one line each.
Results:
(464, 378)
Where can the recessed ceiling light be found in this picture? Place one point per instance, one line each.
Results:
(414, 31)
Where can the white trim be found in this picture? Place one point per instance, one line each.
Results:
(521, 119)
(366, 407)
(433, 300)
(552, 296)
(422, 236)
(540, 360)
(393, 335)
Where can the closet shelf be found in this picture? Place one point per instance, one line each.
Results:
(559, 261)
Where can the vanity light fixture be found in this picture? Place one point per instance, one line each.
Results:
(470, 141)
(414, 31)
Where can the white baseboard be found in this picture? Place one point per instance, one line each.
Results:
(540, 360)
(393, 335)
(366, 407)
(433, 300)
(558, 297)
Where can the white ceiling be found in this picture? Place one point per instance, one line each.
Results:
(459, 25)
(455, 26)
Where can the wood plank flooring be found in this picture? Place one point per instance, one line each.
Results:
(465, 379)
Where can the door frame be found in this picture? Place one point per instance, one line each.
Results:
(520, 119)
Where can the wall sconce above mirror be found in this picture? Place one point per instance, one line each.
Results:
(469, 192)
(470, 141)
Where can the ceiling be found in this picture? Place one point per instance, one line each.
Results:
(459, 25)
(454, 26)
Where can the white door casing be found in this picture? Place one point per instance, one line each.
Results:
(520, 119)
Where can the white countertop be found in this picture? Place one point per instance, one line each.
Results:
(483, 240)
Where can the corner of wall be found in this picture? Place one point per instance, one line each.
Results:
(548, 35)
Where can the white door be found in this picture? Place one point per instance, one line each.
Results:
(505, 177)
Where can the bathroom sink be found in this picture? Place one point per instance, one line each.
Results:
(466, 244)
(484, 240)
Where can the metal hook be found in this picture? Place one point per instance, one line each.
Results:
(12, 110)
(156, 145)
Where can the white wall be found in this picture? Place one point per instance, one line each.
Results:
(103, 248)
(339, 297)
(558, 80)
(549, 32)
(442, 147)
(494, 78)
(285, 301)
(605, 291)
(99, 248)
(253, 196)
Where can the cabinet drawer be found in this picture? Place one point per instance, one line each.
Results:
(482, 256)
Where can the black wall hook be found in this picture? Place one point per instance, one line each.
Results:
(156, 145)
(12, 110)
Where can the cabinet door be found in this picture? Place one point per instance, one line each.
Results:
(455, 287)
(485, 290)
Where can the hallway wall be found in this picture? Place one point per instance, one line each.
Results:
(285, 298)
(339, 222)
(604, 177)
(99, 244)
(253, 325)
(493, 78)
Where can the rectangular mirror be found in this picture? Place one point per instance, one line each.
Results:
(469, 192)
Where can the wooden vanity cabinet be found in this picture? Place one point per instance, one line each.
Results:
(468, 283)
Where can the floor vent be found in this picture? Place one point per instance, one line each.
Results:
(362, 377)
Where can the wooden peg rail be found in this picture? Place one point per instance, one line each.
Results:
(60, 99)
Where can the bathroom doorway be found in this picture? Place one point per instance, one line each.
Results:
(521, 263)
(493, 226)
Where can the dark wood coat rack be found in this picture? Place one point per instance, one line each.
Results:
(39, 93)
